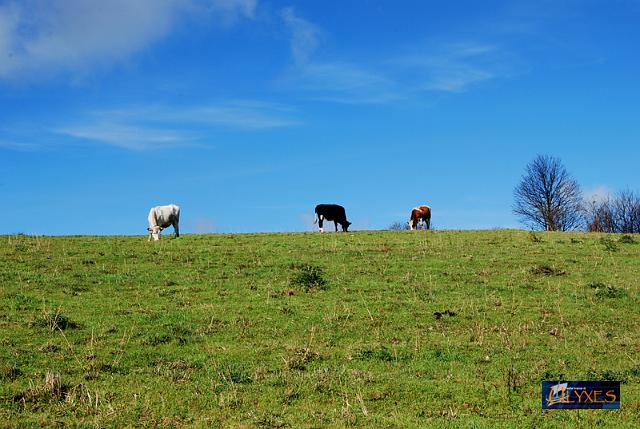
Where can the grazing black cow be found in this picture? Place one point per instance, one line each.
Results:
(331, 212)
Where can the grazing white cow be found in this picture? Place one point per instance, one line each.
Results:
(161, 217)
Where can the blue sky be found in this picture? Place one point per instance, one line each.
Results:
(248, 113)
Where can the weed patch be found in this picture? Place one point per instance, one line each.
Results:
(235, 372)
(156, 339)
(213, 325)
(622, 375)
(299, 358)
(381, 353)
(20, 301)
(607, 291)
(53, 320)
(609, 244)
(179, 370)
(627, 239)
(308, 277)
(438, 314)
(49, 348)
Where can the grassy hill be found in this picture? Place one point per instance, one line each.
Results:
(375, 329)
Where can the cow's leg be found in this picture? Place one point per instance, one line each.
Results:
(335, 223)
(176, 229)
(320, 222)
(428, 222)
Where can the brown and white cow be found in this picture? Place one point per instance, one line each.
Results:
(422, 213)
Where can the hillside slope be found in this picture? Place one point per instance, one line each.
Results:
(376, 329)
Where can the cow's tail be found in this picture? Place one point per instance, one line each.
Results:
(315, 219)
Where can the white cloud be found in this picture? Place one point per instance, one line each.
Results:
(598, 194)
(202, 225)
(37, 36)
(156, 127)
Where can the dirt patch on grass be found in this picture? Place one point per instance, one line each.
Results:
(547, 270)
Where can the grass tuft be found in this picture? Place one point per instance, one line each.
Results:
(49, 389)
(54, 320)
(627, 239)
(10, 373)
(534, 238)
(308, 277)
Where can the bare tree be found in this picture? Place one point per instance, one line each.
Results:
(626, 212)
(547, 197)
(398, 226)
(599, 216)
(620, 213)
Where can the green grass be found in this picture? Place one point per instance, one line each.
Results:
(367, 329)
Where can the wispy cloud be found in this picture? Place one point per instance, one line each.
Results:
(446, 67)
(337, 81)
(235, 114)
(37, 36)
(231, 10)
(344, 83)
(155, 127)
(304, 36)
(20, 146)
(451, 67)
(239, 114)
(127, 136)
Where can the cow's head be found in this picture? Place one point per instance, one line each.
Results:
(345, 226)
(154, 232)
